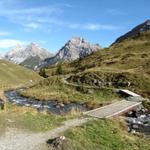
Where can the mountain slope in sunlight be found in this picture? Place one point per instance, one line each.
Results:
(14, 74)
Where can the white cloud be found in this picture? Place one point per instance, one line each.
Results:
(74, 25)
(115, 12)
(33, 25)
(45, 17)
(28, 16)
(5, 33)
(8, 43)
(92, 26)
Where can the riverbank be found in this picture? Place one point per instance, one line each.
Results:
(29, 119)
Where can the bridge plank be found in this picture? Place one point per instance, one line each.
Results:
(112, 109)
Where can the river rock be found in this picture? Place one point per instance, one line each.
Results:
(56, 142)
(61, 105)
(58, 106)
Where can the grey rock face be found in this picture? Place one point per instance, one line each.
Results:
(75, 48)
(20, 54)
(135, 31)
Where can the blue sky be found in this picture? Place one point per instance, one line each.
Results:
(51, 23)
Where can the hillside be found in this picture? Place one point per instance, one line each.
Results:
(12, 74)
(127, 62)
(123, 65)
(104, 134)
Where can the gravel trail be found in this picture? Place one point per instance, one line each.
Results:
(14, 139)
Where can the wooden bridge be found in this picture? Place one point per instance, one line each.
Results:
(117, 108)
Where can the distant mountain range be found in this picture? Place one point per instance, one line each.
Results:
(22, 55)
(34, 57)
(75, 48)
(135, 31)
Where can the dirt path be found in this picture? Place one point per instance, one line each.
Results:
(14, 139)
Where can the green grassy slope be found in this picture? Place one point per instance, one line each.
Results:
(128, 54)
(29, 119)
(104, 135)
(13, 75)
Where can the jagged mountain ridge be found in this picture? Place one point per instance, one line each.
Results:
(135, 31)
(75, 48)
(20, 54)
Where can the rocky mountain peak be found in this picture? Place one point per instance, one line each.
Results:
(147, 22)
(20, 54)
(76, 40)
(18, 46)
(75, 48)
(17, 49)
(33, 45)
(144, 26)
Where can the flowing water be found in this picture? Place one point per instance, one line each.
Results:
(49, 106)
